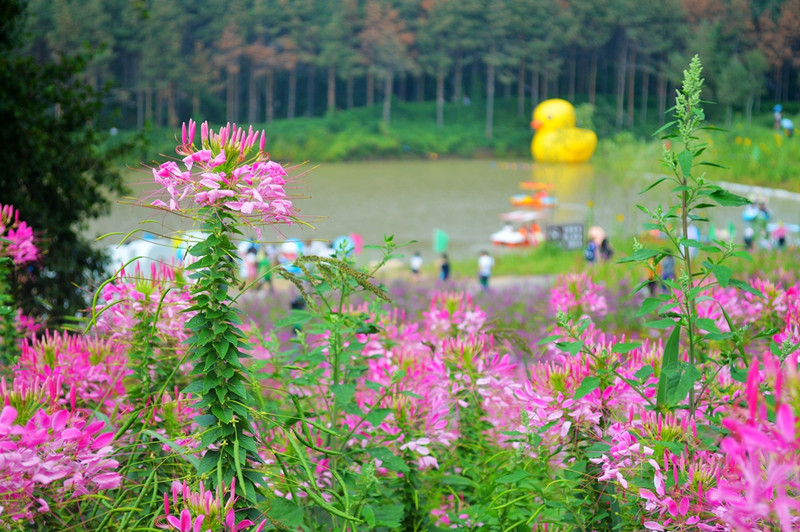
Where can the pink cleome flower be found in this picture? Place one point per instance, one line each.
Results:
(16, 237)
(220, 174)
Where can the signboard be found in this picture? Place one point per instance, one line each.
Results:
(569, 236)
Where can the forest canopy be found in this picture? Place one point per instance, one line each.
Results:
(259, 60)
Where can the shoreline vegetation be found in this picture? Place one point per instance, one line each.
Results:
(749, 153)
(752, 154)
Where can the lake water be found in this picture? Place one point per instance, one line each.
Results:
(463, 198)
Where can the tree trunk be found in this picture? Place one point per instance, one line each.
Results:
(370, 88)
(545, 82)
(387, 97)
(593, 77)
(457, 79)
(573, 68)
(230, 115)
(269, 97)
(148, 104)
(440, 98)
(645, 96)
(331, 89)
(631, 87)
(748, 112)
(489, 97)
(292, 96)
(160, 107)
(350, 90)
(172, 105)
(419, 84)
(535, 89)
(310, 92)
(402, 89)
(521, 88)
(196, 104)
(140, 106)
(474, 94)
(661, 89)
(622, 66)
(252, 98)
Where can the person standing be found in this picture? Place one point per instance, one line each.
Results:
(444, 269)
(416, 263)
(485, 265)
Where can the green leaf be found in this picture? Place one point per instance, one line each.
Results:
(388, 459)
(649, 305)
(458, 480)
(723, 274)
(653, 184)
(741, 285)
(369, 515)
(343, 392)
(687, 376)
(199, 249)
(665, 323)
(738, 374)
(625, 347)
(549, 339)
(208, 462)
(573, 348)
(375, 417)
(644, 373)
(685, 161)
(669, 359)
(640, 255)
(287, 512)
(728, 199)
(588, 385)
(389, 515)
(707, 324)
(513, 477)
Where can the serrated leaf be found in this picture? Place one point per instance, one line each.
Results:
(377, 416)
(343, 392)
(369, 515)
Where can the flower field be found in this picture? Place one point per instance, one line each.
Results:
(187, 402)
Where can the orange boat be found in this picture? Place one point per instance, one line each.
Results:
(539, 200)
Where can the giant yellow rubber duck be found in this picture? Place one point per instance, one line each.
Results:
(557, 140)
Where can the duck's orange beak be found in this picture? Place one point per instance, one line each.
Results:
(536, 124)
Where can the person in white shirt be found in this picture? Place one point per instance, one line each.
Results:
(485, 265)
(416, 263)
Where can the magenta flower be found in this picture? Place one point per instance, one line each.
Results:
(16, 237)
(224, 174)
